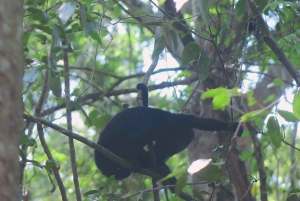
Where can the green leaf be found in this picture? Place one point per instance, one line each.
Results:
(58, 32)
(91, 192)
(273, 132)
(240, 8)
(54, 79)
(96, 37)
(31, 75)
(189, 53)
(174, 173)
(45, 29)
(160, 2)
(109, 181)
(185, 74)
(269, 99)
(224, 28)
(101, 121)
(246, 155)
(173, 38)
(251, 101)
(83, 18)
(292, 197)
(203, 4)
(91, 27)
(295, 191)
(94, 114)
(209, 173)
(26, 140)
(39, 15)
(117, 11)
(272, 5)
(159, 45)
(220, 102)
(66, 10)
(214, 92)
(42, 37)
(75, 27)
(35, 2)
(199, 194)
(180, 183)
(262, 5)
(278, 82)
(51, 180)
(288, 116)
(250, 116)
(26, 37)
(88, 3)
(203, 67)
(297, 47)
(49, 165)
(296, 105)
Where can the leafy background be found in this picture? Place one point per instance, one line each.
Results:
(109, 46)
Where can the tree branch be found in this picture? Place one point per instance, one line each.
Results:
(270, 41)
(95, 96)
(69, 122)
(260, 163)
(38, 109)
(102, 150)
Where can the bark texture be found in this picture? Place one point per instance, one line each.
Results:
(11, 65)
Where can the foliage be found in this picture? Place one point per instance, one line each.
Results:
(109, 50)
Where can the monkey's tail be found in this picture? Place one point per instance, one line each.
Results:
(144, 89)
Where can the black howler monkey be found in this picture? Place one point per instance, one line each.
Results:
(130, 130)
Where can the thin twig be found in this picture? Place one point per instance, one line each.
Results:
(96, 54)
(69, 120)
(260, 163)
(38, 109)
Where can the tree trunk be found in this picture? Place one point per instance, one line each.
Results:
(11, 65)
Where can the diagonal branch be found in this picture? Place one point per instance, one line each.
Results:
(101, 149)
(270, 41)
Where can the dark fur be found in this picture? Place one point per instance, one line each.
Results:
(130, 130)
